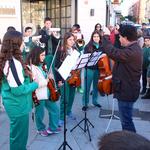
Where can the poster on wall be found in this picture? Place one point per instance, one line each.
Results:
(8, 9)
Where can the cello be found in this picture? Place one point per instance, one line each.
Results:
(105, 78)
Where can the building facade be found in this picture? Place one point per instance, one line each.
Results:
(9, 15)
(64, 13)
(147, 11)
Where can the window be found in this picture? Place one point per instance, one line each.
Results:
(60, 13)
(34, 11)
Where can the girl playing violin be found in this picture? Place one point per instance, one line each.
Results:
(92, 72)
(67, 49)
(79, 44)
(36, 61)
(16, 89)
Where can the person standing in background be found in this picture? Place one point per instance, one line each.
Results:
(49, 38)
(112, 34)
(145, 68)
(91, 74)
(144, 29)
(27, 42)
(98, 27)
(79, 44)
(140, 38)
(11, 28)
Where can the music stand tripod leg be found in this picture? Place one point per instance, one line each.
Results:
(85, 120)
(65, 143)
(112, 115)
(107, 115)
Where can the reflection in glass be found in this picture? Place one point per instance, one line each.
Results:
(68, 11)
(63, 12)
(53, 13)
(57, 25)
(62, 2)
(68, 22)
(68, 2)
(63, 24)
(57, 4)
(36, 12)
(52, 4)
(33, 12)
(57, 13)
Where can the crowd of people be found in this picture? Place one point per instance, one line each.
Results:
(28, 67)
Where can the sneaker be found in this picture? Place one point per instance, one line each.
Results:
(61, 123)
(71, 116)
(43, 133)
(49, 131)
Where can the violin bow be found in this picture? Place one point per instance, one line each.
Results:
(50, 69)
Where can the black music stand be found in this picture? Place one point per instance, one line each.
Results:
(65, 143)
(85, 61)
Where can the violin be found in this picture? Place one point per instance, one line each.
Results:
(54, 94)
(105, 79)
(75, 78)
(34, 97)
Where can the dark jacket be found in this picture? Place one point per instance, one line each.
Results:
(45, 38)
(127, 69)
(60, 57)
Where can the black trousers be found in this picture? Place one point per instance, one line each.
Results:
(144, 78)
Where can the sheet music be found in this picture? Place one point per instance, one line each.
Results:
(68, 64)
(94, 58)
(82, 61)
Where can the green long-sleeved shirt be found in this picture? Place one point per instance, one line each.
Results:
(146, 57)
(18, 100)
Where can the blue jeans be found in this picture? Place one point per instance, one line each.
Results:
(125, 112)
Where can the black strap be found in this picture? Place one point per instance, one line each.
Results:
(14, 71)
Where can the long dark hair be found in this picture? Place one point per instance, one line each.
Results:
(34, 55)
(66, 37)
(95, 28)
(90, 44)
(11, 44)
